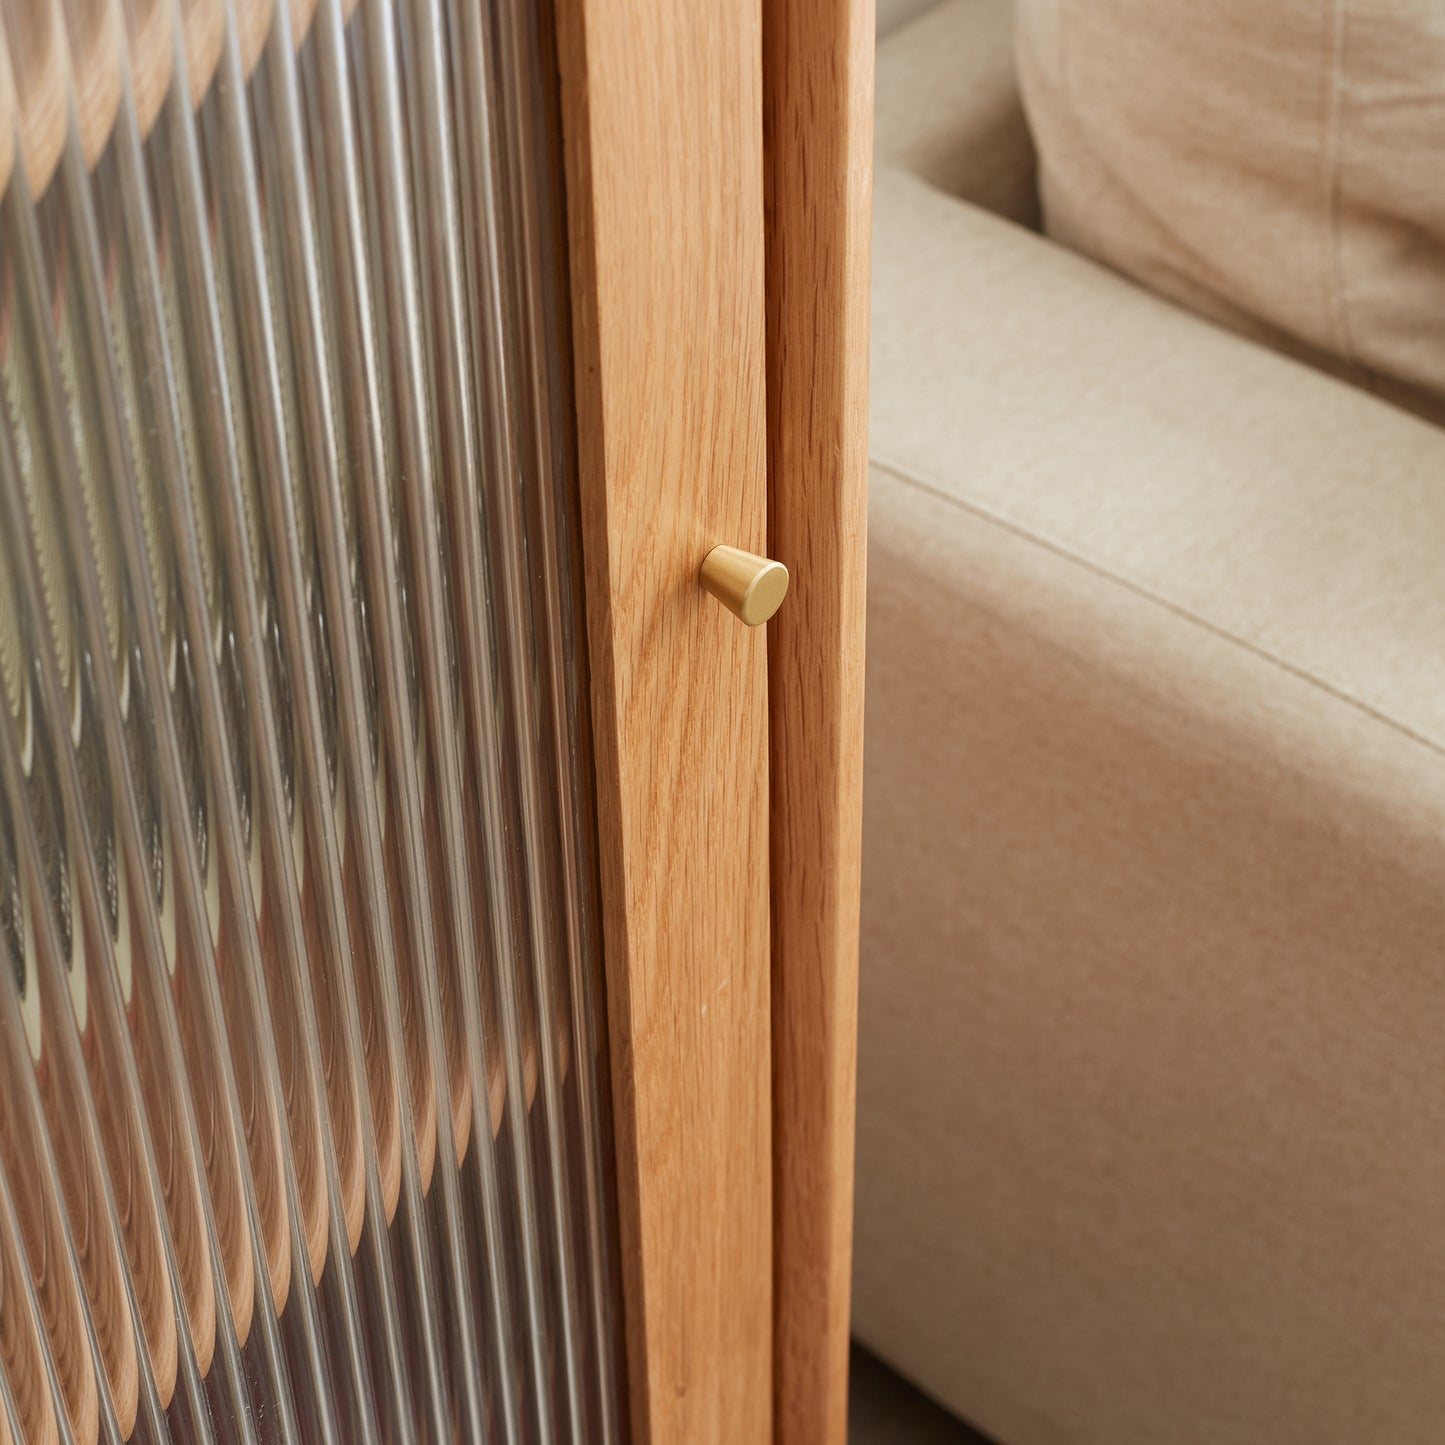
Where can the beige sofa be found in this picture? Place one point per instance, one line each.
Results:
(1151, 1124)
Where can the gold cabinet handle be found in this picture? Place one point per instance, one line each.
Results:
(749, 586)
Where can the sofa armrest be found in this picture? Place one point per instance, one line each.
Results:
(1154, 822)
(948, 107)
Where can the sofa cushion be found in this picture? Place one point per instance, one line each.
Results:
(1150, 1093)
(892, 14)
(1279, 506)
(1275, 165)
(948, 107)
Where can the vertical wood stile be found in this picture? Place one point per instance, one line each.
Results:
(818, 136)
(662, 110)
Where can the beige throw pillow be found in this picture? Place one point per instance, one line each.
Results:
(1276, 164)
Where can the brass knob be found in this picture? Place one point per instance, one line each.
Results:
(749, 586)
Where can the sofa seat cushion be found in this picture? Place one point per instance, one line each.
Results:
(1150, 1083)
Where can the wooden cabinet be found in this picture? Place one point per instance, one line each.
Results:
(439, 909)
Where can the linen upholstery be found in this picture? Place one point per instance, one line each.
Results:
(891, 14)
(1151, 1090)
(1274, 164)
(948, 107)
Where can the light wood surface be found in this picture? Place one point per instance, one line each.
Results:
(38, 65)
(662, 107)
(138, 1210)
(284, 961)
(410, 978)
(253, 28)
(42, 1237)
(459, 1079)
(301, 13)
(97, 54)
(181, 1174)
(337, 1070)
(818, 122)
(20, 1355)
(78, 1169)
(203, 26)
(380, 1068)
(150, 50)
(203, 1037)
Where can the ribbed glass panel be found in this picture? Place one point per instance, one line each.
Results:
(303, 1128)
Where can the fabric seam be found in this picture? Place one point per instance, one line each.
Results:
(1107, 574)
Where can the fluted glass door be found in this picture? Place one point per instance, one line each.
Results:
(303, 1117)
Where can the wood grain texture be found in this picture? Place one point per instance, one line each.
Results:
(20, 1348)
(203, 31)
(41, 1235)
(662, 114)
(818, 127)
(60, 1085)
(95, 37)
(151, 53)
(253, 25)
(38, 68)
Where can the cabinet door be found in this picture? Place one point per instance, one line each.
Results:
(307, 314)
(719, 163)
